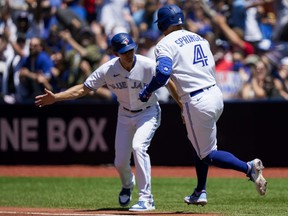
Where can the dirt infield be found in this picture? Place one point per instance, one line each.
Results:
(109, 171)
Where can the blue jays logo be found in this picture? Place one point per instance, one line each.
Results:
(125, 41)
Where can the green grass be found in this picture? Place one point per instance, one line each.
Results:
(226, 196)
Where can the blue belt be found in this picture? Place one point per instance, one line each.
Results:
(135, 111)
(194, 93)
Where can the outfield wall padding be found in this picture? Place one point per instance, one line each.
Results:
(83, 133)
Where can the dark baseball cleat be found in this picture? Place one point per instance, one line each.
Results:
(125, 196)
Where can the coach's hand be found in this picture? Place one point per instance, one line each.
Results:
(144, 95)
(45, 99)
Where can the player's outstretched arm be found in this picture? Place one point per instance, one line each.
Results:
(70, 94)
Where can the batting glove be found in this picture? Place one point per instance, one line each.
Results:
(144, 95)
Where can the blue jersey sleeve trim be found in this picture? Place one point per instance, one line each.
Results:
(164, 66)
(163, 72)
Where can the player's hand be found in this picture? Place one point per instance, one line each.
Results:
(144, 95)
(45, 99)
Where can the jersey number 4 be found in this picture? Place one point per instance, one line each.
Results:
(199, 56)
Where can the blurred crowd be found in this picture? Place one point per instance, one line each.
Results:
(56, 44)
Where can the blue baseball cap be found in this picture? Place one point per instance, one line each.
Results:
(122, 42)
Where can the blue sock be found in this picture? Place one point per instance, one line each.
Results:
(201, 171)
(226, 160)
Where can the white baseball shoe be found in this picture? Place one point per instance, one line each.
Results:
(197, 198)
(256, 176)
(143, 206)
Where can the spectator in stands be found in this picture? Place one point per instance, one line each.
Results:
(283, 71)
(6, 23)
(76, 7)
(90, 7)
(84, 57)
(147, 42)
(222, 7)
(3, 45)
(116, 17)
(263, 84)
(56, 3)
(136, 6)
(267, 20)
(234, 36)
(43, 19)
(100, 36)
(250, 63)
(8, 31)
(34, 72)
(18, 48)
(17, 7)
(67, 19)
(238, 48)
(280, 31)
(225, 31)
(145, 18)
(23, 24)
(60, 71)
(196, 21)
(54, 42)
(11, 78)
(245, 15)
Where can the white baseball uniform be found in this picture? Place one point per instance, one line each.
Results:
(137, 121)
(186, 58)
(193, 75)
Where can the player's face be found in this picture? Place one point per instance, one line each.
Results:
(127, 58)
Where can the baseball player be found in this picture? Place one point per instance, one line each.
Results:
(185, 57)
(125, 75)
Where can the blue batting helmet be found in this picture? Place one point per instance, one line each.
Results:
(122, 42)
(169, 15)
